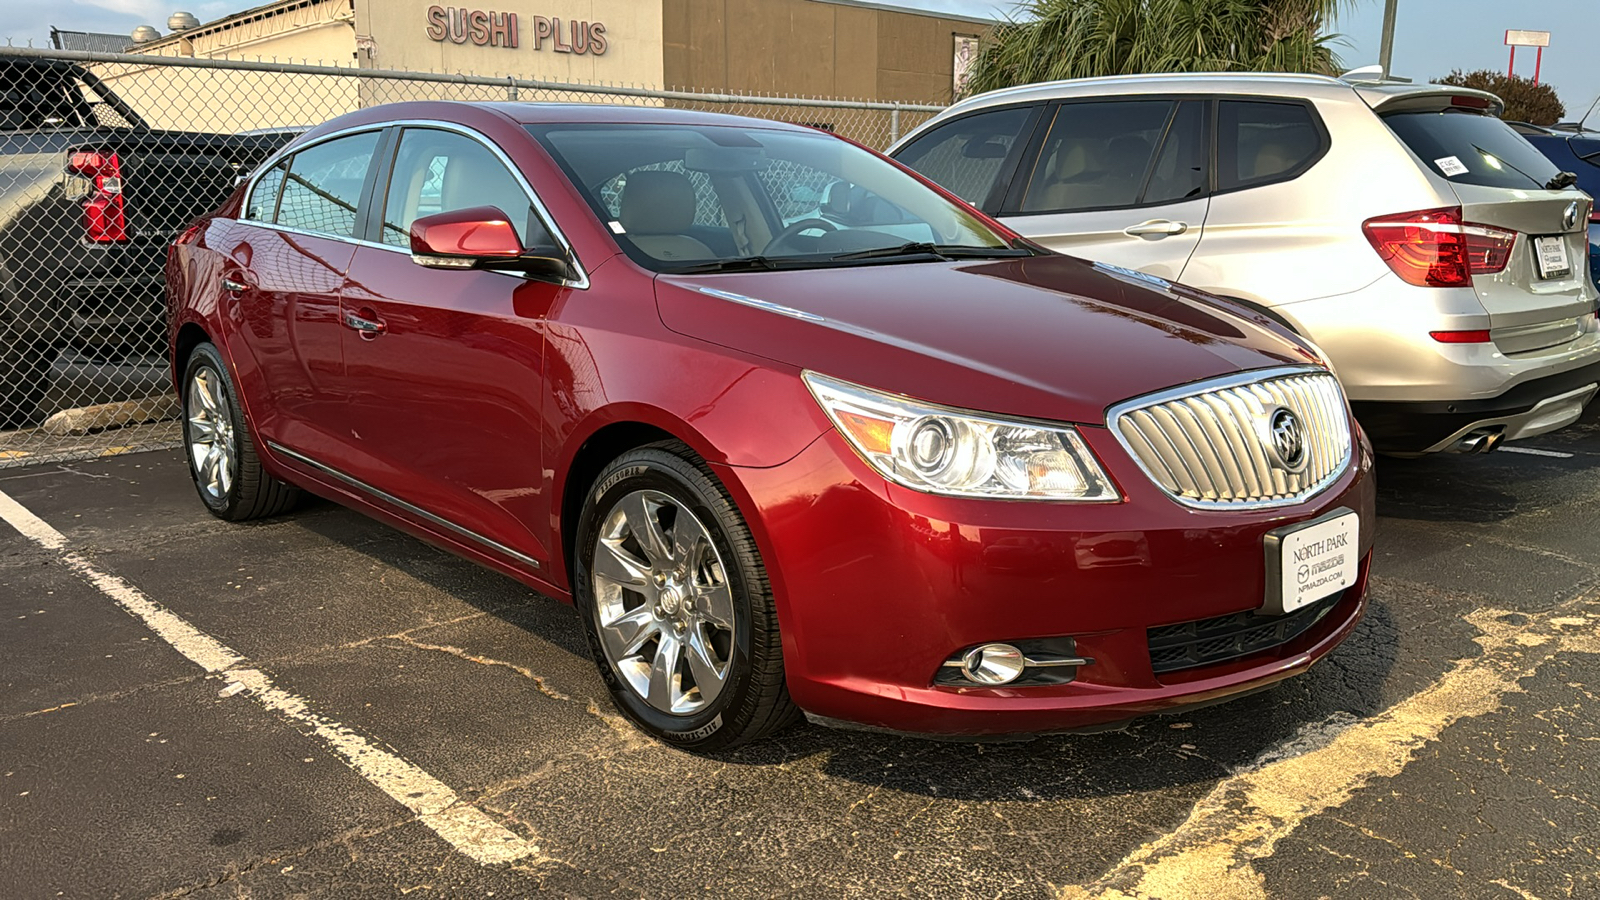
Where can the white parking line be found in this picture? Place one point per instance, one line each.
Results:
(1534, 451)
(469, 829)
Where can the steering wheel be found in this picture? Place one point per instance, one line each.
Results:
(794, 229)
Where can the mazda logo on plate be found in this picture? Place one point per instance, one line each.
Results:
(1569, 219)
(1288, 440)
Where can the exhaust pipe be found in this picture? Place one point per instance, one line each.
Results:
(1481, 441)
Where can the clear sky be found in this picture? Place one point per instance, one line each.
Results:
(1431, 37)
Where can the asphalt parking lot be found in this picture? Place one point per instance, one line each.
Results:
(320, 705)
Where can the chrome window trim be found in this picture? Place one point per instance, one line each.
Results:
(580, 282)
(408, 507)
(1239, 379)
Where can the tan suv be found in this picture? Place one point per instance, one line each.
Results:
(1431, 252)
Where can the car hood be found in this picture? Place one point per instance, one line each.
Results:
(1050, 337)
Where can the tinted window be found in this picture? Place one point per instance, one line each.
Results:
(442, 171)
(965, 156)
(1096, 155)
(324, 183)
(1260, 142)
(1179, 172)
(1472, 148)
(264, 199)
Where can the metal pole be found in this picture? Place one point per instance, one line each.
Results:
(894, 124)
(1538, 57)
(1511, 67)
(1386, 48)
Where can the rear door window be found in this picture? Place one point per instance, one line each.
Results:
(1472, 148)
(1097, 156)
(966, 156)
(1259, 142)
(323, 186)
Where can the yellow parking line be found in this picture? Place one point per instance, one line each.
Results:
(1211, 855)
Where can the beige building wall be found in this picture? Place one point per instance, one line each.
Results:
(812, 48)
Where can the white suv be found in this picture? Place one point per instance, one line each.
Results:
(1431, 252)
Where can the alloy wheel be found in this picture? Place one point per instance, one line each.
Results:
(663, 603)
(213, 447)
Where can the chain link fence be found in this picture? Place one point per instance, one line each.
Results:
(106, 158)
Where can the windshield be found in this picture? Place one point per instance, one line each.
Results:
(696, 198)
(1471, 148)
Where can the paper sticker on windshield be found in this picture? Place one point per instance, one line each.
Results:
(1450, 166)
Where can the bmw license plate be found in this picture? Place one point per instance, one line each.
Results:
(1551, 252)
(1311, 560)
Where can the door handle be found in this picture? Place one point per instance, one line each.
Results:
(367, 327)
(228, 284)
(1156, 226)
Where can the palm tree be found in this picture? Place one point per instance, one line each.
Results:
(1056, 39)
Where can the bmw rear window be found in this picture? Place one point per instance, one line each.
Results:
(1472, 148)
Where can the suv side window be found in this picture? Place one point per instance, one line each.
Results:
(1096, 156)
(323, 185)
(965, 156)
(1260, 141)
(442, 171)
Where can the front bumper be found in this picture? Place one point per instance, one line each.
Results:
(877, 585)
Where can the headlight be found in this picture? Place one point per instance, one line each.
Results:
(966, 454)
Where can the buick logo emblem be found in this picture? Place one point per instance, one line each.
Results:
(1569, 219)
(1288, 440)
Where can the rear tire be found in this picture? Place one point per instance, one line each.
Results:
(220, 448)
(678, 609)
(24, 379)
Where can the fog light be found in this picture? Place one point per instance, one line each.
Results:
(992, 664)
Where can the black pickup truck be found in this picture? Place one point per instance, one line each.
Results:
(90, 198)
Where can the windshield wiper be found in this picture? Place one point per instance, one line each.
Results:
(737, 264)
(939, 251)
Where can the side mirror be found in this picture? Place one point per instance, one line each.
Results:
(481, 238)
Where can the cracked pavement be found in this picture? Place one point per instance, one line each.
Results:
(1450, 748)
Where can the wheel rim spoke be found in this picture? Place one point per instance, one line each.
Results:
(707, 676)
(646, 530)
(716, 606)
(624, 635)
(687, 535)
(664, 686)
(617, 566)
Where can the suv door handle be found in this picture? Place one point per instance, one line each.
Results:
(367, 327)
(1156, 226)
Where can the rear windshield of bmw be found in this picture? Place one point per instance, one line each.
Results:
(1472, 148)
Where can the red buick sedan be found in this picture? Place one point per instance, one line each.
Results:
(795, 430)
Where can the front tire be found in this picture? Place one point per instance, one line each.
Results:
(677, 605)
(220, 448)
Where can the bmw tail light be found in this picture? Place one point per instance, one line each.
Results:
(104, 219)
(1435, 248)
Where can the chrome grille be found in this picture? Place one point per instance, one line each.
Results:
(1211, 445)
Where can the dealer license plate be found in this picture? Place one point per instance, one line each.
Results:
(1551, 251)
(1311, 560)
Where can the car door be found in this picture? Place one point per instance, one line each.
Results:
(444, 367)
(285, 266)
(1121, 181)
